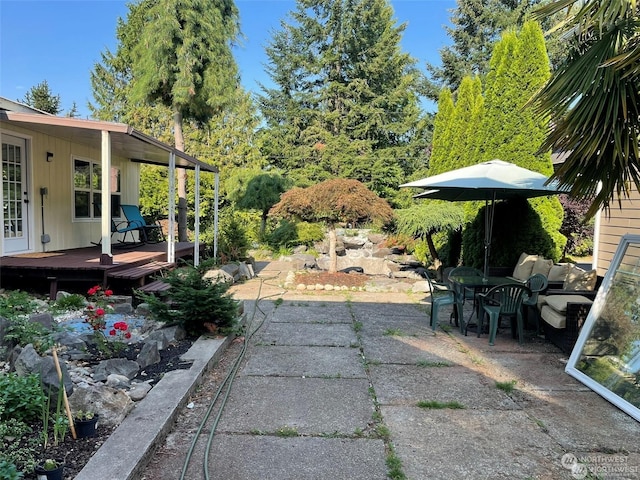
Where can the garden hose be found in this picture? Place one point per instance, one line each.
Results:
(228, 382)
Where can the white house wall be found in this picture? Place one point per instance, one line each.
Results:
(57, 177)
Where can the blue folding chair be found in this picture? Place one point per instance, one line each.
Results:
(149, 233)
(124, 227)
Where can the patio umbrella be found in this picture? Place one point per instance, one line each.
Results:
(488, 181)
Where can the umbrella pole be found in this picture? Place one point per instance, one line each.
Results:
(488, 231)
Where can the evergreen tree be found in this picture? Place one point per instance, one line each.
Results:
(183, 61)
(42, 98)
(477, 26)
(227, 139)
(442, 125)
(511, 130)
(345, 98)
(466, 121)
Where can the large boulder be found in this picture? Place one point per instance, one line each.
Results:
(111, 404)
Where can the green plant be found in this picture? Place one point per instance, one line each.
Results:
(434, 404)
(393, 332)
(50, 464)
(8, 471)
(395, 467)
(287, 432)
(21, 397)
(429, 363)
(22, 331)
(83, 415)
(67, 303)
(16, 303)
(357, 326)
(193, 300)
(234, 243)
(506, 387)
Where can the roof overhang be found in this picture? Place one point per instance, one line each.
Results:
(126, 141)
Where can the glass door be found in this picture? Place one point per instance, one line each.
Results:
(15, 196)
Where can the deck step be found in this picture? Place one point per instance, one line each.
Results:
(140, 272)
(155, 287)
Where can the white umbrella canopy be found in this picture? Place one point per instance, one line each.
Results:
(488, 181)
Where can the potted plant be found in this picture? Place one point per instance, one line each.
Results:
(50, 469)
(85, 423)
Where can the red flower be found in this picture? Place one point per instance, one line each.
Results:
(108, 293)
(112, 333)
(127, 335)
(93, 290)
(89, 307)
(100, 311)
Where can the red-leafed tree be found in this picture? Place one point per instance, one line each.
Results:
(333, 202)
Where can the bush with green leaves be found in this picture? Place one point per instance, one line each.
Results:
(284, 235)
(22, 331)
(67, 303)
(234, 243)
(517, 228)
(193, 300)
(16, 303)
(8, 471)
(18, 447)
(21, 397)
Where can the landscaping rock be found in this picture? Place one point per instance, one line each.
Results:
(174, 333)
(4, 323)
(51, 380)
(28, 361)
(159, 338)
(138, 391)
(149, 354)
(122, 366)
(110, 403)
(123, 308)
(246, 271)
(118, 381)
(219, 276)
(45, 319)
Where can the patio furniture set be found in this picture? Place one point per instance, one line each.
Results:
(556, 298)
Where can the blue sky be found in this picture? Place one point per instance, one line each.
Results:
(60, 41)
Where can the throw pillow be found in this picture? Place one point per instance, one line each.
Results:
(524, 266)
(543, 266)
(559, 272)
(578, 279)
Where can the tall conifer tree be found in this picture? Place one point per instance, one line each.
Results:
(345, 99)
(184, 62)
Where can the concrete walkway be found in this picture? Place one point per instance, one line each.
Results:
(336, 385)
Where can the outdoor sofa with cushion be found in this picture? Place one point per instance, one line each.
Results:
(563, 311)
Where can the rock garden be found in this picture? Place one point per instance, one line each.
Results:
(105, 351)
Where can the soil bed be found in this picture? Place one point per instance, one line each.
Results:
(335, 279)
(76, 453)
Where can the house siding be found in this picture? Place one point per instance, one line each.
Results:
(621, 219)
(57, 177)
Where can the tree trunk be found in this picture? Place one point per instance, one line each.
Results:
(182, 179)
(333, 256)
(434, 255)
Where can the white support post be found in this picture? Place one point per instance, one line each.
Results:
(171, 246)
(105, 200)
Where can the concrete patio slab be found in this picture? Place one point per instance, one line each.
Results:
(313, 312)
(403, 350)
(297, 458)
(477, 444)
(308, 405)
(406, 385)
(313, 334)
(294, 361)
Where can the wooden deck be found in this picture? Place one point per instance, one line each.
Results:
(80, 268)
